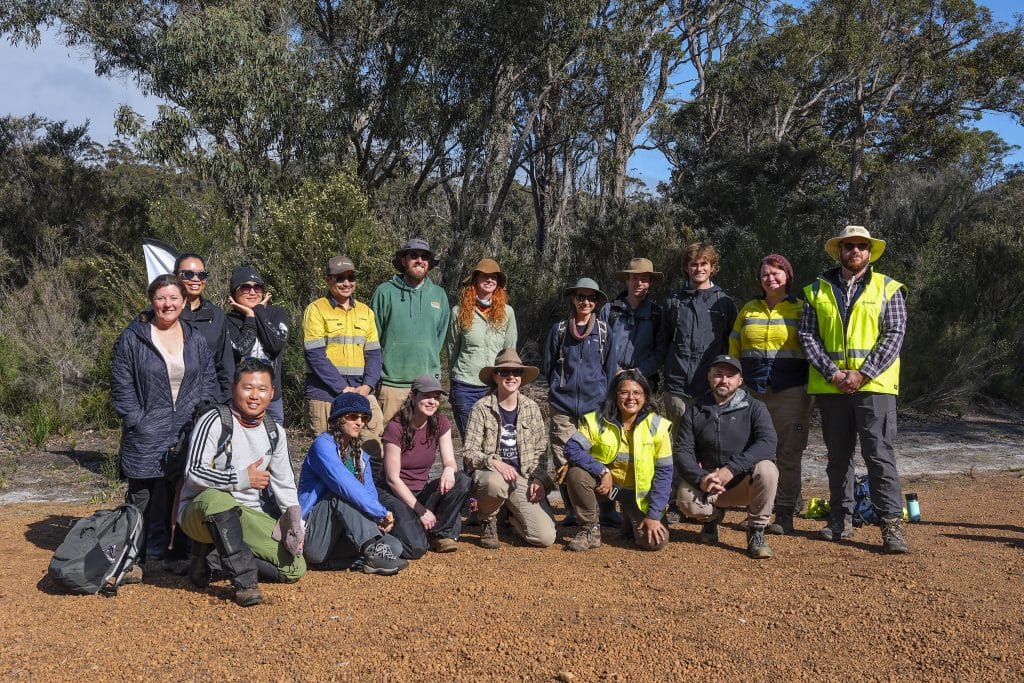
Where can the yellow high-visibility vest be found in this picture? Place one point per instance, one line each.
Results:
(850, 346)
(652, 443)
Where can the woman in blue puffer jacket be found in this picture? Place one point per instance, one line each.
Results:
(162, 370)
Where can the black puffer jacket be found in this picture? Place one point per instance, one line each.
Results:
(737, 435)
(140, 392)
(696, 329)
(263, 335)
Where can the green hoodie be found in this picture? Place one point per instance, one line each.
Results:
(413, 322)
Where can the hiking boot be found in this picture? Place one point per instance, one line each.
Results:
(586, 539)
(783, 523)
(247, 597)
(709, 532)
(198, 570)
(489, 534)
(894, 536)
(757, 546)
(378, 558)
(443, 544)
(134, 575)
(837, 529)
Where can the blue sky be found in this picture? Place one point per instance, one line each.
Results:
(59, 83)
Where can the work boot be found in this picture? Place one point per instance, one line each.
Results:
(443, 544)
(235, 556)
(198, 570)
(378, 558)
(894, 536)
(608, 515)
(783, 523)
(709, 532)
(268, 572)
(757, 546)
(586, 539)
(837, 529)
(489, 534)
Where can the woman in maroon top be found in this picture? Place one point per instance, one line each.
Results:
(426, 513)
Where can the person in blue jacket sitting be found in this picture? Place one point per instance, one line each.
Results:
(346, 525)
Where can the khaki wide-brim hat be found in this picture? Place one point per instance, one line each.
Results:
(851, 232)
(639, 266)
(508, 359)
(487, 266)
(587, 283)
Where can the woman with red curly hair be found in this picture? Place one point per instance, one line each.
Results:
(482, 324)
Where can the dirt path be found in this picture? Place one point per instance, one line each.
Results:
(951, 610)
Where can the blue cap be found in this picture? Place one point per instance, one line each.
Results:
(349, 402)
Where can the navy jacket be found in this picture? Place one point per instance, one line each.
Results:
(578, 385)
(633, 336)
(141, 394)
(212, 322)
(737, 435)
(696, 329)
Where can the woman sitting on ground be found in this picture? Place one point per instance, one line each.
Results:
(622, 452)
(426, 513)
(506, 445)
(346, 525)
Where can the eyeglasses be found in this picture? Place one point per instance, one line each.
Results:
(193, 274)
(509, 373)
(250, 288)
(344, 278)
(592, 298)
(860, 246)
(356, 417)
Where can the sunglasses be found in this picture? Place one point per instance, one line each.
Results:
(344, 278)
(250, 288)
(420, 255)
(592, 298)
(356, 417)
(860, 246)
(508, 373)
(193, 274)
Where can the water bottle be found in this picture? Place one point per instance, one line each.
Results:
(913, 507)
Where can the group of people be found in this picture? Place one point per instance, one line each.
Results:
(734, 384)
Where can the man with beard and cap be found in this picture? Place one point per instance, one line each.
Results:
(412, 321)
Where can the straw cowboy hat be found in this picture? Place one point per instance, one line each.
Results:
(855, 232)
(639, 266)
(508, 359)
(487, 266)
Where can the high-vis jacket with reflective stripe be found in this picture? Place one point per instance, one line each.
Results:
(768, 346)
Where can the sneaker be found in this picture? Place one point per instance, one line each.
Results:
(134, 575)
(443, 544)
(757, 546)
(894, 536)
(247, 597)
(489, 534)
(586, 539)
(837, 529)
(380, 559)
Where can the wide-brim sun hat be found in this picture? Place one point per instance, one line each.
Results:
(415, 244)
(851, 232)
(508, 359)
(487, 266)
(587, 283)
(639, 266)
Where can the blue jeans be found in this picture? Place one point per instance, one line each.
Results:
(463, 397)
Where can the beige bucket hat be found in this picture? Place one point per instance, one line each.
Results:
(853, 232)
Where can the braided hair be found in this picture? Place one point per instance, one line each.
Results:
(354, 448)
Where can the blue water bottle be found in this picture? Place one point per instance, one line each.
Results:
(913, 508)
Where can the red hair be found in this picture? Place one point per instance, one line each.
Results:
(495, 315)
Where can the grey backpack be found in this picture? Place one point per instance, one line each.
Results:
(98, 552)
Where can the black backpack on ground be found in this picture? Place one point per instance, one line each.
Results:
(98, 552)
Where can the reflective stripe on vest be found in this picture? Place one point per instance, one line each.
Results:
(606, 439)
(850, 346)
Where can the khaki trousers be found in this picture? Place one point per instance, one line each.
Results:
(756, 492)
(534, 522)
(560, 430)
(391, 399)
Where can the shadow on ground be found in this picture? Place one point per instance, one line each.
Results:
(50, 532)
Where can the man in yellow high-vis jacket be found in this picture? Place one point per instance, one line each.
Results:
(852, 328)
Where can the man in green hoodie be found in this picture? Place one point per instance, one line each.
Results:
(412, 317)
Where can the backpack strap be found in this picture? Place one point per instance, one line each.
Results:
(563, 326)
(602, 337)
(227, 427)
(272, 432)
